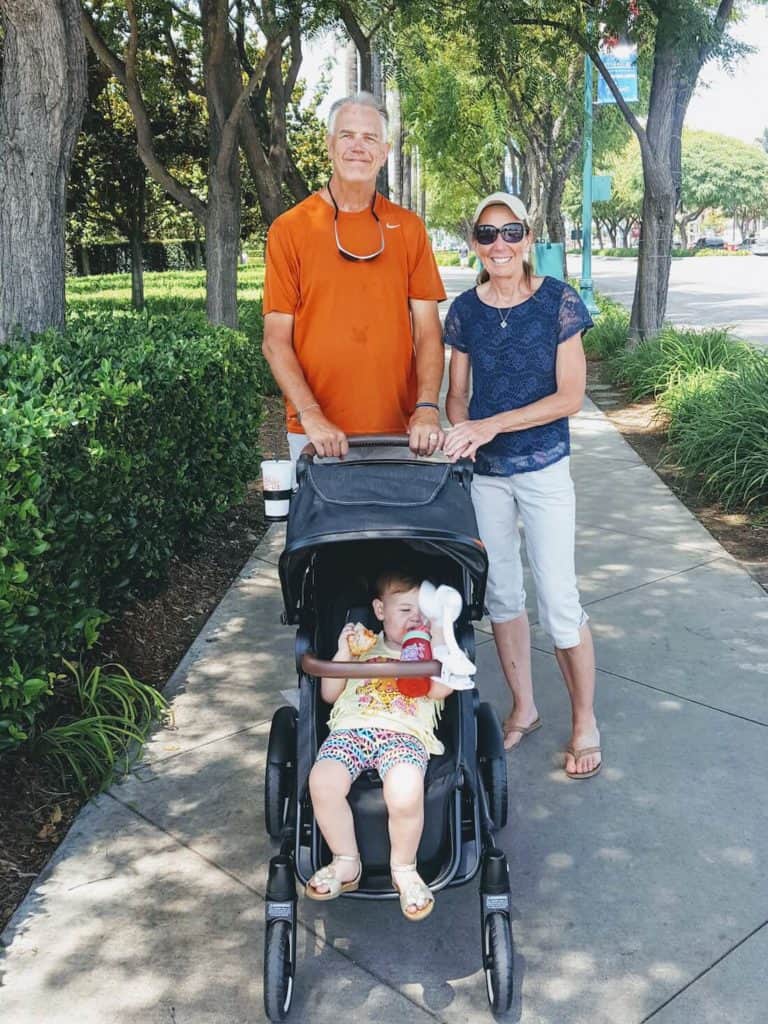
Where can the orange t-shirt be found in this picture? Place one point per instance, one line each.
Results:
(352, 327)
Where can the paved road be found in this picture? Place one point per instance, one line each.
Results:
(702, 291)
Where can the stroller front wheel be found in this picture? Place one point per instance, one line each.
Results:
(498, 960)
(279, 966)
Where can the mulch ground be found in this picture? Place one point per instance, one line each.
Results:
(152, 636)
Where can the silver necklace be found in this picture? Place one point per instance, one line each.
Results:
(503, 316)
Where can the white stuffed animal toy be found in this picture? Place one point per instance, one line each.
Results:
(443, 605)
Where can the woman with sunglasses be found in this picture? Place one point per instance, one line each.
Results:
(519, 338)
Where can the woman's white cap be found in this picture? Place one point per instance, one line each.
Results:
(513, 203)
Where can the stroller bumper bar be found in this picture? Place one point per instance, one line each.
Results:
(314, 666)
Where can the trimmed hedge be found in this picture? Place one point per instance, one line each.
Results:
(115, 257)
(118, 437)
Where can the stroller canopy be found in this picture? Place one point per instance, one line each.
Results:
(426, 504)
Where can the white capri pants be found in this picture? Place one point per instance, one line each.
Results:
(545, 501)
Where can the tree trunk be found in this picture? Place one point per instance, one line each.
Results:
(407, 178)
(377, 87)
(40, 116)
(598, 232)
(222, 248)
(295, 181)
(396, 154)
(136, 238)
(554, 215)
(533, 199)
(137, 269)
(85, 261)
(654, 258)
(223, 85)
(350, 69)
(612, 235)
(266, 185)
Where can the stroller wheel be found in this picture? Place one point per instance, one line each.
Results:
(279, 965)
(279, 774)
(498, 959)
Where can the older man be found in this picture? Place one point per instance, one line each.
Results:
(351, 329)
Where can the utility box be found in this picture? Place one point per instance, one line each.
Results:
(548, 259)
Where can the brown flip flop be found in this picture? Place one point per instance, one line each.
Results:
(576, 754)
(523, 729)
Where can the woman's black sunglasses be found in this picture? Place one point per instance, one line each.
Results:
(486, 234)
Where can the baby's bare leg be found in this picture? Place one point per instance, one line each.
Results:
(404, 797)
(329, 784)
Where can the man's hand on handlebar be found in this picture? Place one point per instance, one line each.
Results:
(328, 439)
(424, 434)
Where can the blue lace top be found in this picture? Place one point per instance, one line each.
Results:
(514, 366)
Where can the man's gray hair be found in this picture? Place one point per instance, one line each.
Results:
(359, 99)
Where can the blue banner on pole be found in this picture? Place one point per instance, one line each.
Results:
(621, 64)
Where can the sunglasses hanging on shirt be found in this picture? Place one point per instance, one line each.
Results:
(354, 257)
(486, 234)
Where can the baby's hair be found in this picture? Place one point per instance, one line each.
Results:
(399, 581)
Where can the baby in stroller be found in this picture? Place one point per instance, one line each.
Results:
(374, 724)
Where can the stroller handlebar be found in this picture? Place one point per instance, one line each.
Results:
(364, 441)
(315, 666)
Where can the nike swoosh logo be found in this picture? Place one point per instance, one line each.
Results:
(392, 225)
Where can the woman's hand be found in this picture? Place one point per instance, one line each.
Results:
(463, 439)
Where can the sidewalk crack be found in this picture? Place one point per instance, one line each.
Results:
(706, 970)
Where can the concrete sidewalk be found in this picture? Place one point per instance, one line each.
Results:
(641, 894)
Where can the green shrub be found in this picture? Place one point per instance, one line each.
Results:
(447, 259)
(660, 363)
(109, 718)
(118, 437)
(719, 252)
(718, 432)
(609, 335)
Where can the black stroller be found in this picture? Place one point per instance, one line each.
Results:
(347, 521)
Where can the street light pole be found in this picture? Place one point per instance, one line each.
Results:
(587, 293)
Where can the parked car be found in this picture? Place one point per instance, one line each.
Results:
(709, 242)
(760, 248)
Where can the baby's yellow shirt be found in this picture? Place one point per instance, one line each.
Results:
(378, 704)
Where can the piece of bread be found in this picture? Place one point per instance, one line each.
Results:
(361, 640)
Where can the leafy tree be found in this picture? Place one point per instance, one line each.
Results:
(456, 119)
(206, 56)
(726, 174)
(40, 115)
(110, 193)
(678, 37)
(722, 173)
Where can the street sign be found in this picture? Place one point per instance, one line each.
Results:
(601, 187)
(621, 63)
